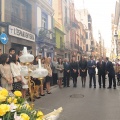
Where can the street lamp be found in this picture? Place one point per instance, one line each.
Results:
(116, 40)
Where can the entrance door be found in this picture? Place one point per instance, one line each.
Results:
(19, 47)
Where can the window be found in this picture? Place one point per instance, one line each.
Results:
(86, 35)
(21, 14)
(92, 43)
(44, 20)
(86, 47)
(65, 14)
(89, 26)
(61, 43)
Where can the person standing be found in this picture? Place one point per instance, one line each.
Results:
(36, 81)
(101, 72)
(49, 76)
(66, 78)
(111, 73)
(91, 71)
(60, 69)
(6, 74)
(11, 52)
(83, 70)
(74, 71)
(54, 71)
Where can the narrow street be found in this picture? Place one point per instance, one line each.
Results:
(83, 103)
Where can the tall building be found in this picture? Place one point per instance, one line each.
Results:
(45, 36)
(86, 19)
(18, 22)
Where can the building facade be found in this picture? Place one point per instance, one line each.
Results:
(86, 19)
(58, 28)
(17, 21)
(45, 41)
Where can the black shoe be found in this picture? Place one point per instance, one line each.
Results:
(68, 86)
(108, 87)
(103, 86)
(42, 94)
(37, 97)
(99, 86)
(94, 86)
(114, 87)
(90, 86)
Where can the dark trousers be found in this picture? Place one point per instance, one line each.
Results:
(112, 77)
(92, 76)
(103, 79)
(66, 79)
(74, 81)
(55, 78)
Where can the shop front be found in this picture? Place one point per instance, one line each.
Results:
(18, 38)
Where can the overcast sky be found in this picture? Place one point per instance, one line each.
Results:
(100, 11)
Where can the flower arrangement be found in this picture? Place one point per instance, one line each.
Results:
(14, 107)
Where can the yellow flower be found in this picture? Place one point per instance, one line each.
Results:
(3, 109)
(4, 92)
(15, 101)
(39, 118)
(40, 114)
(28, 106)
(24, 116)
(9, 100)
(2, 98)
(17, 93)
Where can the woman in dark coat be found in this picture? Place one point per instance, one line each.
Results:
(74, 71)
(83, 70)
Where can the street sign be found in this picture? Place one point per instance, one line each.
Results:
(3, 38)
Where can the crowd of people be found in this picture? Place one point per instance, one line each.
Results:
(60, 71)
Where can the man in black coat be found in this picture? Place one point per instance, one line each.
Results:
(66, 78)
(111, 73)
(101, 72)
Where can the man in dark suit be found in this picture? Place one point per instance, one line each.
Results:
(101, 72)
(91, 71)
(66, 73)
(111, 73)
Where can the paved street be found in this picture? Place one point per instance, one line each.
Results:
(96, 104)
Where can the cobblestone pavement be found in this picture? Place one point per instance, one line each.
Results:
(82, 103)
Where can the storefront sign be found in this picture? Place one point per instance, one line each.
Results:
(20, 33)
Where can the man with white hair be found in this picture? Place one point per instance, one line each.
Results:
(66, 78)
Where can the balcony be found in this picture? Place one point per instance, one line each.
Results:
(46, 36)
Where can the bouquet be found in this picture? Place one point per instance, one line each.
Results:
(14, 107)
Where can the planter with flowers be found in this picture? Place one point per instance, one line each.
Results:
(14, 107)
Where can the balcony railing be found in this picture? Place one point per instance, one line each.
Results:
(46, 36)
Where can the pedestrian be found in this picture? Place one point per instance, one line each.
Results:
(101, 72)
(17, 77)
(5, 71)
(66, 78)
(60, 69)
(111, 73)
(11, 52)
(54, 71)
(49, 76)
(91, 65)
(83, 70)
(36, 81)
(74, 71)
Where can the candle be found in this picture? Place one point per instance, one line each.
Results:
(39, 63)
(25, 50)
